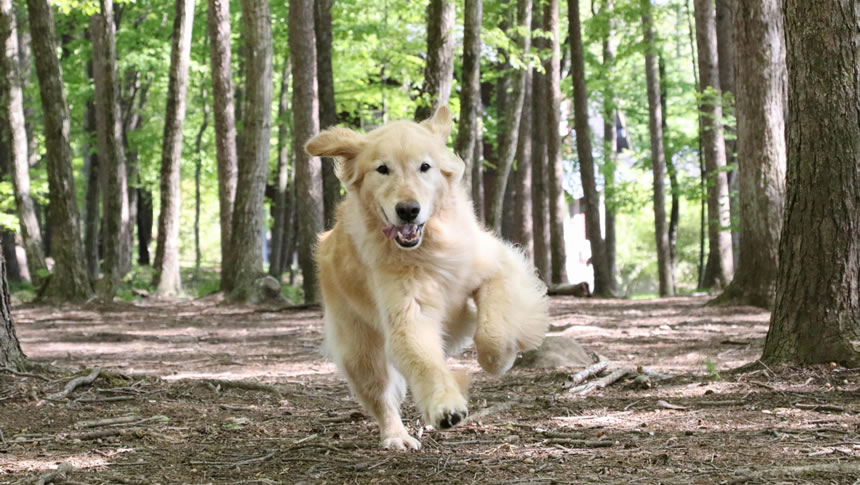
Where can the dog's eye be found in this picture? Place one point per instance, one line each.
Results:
(425, 167)
(383, 169)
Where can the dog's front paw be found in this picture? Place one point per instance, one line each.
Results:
(444, 415)
(401, 442)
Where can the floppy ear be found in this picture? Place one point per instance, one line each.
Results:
(440, 123)
(341, 143)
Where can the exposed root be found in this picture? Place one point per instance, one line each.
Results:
(74, 384)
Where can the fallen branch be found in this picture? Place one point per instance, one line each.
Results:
(851, 469)
(587, 373)
(652, 373)
(666, 405)
(720, 403)
(94, 435)
(603, 382)
(74, 384)
(580, 443)
(105, 399)
(55, 476)
(820, 407)
(243, 385)
(104, 422)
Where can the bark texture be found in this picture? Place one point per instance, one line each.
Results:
(586, 160)
(470, 90)
(11, 356)
(726, 52)
(166, 278)
(328, 108)
(540, 185)
(309, 197)
(13, 116)
(218, 22)
(610, 147)
(658, 155)
(439, 69)
(111, 152)
(92, 212)
(761, 76)
(720, 258)
(279, 214)
(523, 176)
(554, 164)
(816, 317)
(69, 279)
(511, 118)
(246, 243)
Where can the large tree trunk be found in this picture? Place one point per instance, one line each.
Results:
(111, 152)
(675, 212)
(540, 189)
(225, 127)
(658, 155)
(816, 318)
(439, 69)
(279, 227)
(69, 279)
(719, 236)
(92, 212)
(19, 167)
(523, 177)
(726, 50)
(13, 269)
(470, 91)
(610, 147)
(328, 108)
(586, 162)
(309, 197)
(11, 356)
(166, 277)
(246, 244)
(198, 168)
(511, 117)
(761, 76)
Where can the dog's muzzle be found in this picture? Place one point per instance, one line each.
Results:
(407, 236)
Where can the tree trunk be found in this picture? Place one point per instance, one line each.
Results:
(816, 317)
(523, 176)
(658, 155)
(675, 212)
(19, 167)
(726, 50)
(610, 147)
(586, 162)
(511, 117)
(198, 168)
(761, 73)
(328, 108)
(719, 234)
(111, 153)
(309, 197)
(470, 91)
(13, 269)
(225, 127)
(166, 277)
(246, 244)
(69, 279)
(11, 356)
(92, 214)
(439, 69)
(280, 228)
(540, 190)
(144, 226)
(478, 169)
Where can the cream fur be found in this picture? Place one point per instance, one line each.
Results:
(393, 315)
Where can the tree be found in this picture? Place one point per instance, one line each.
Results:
(726, 50)
(468, 135)
(816, 317)
(309, 198)
(658, 155)
(218, 21)
(540, 185)
(554, 165)
(92, 212)
(69, 279)
(280, 214)
(761, 83)
(166, 278)
(439, 68)
(111, 153)
(511, 117)
(523, 176)
(13, 116)
(719, 269)
(586, 161)
(327, 106)
(11, 356)
(610, 145)
(246, 244)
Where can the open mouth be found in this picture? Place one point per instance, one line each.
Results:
(407, 236)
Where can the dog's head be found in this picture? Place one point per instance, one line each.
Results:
(401, 172)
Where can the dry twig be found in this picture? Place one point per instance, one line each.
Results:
(821, 407)
(218, 384)
(603, 382)
(580, 443)
(74, 384)
(104, 422)
(587, 373)
(666, 405)
(24, 374)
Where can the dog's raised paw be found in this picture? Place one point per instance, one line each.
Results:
(401, 443)
(449, 419)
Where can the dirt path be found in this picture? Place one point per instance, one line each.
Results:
(213, 394)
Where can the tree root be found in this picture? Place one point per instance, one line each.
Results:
(74, 384)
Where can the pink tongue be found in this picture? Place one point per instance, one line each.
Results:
(405, 230)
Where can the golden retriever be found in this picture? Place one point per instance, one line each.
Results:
(409, 276)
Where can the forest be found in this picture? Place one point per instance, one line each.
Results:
(684, 175)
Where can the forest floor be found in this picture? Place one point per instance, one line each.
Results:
(204, 393)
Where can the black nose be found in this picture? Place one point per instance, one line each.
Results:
(408, 210)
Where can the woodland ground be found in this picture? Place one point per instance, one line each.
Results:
(168, 369)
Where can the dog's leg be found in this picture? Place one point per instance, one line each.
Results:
(513, 312)
(414, 344)
(359, 351)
